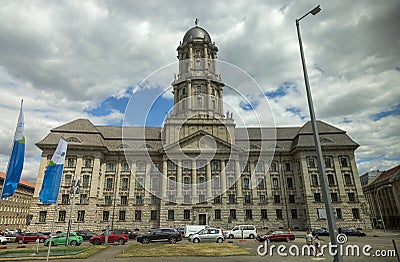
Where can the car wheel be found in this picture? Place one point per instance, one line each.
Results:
(96, 241)
(73, 243)
(196, 240)
(288, 239)
(220, 240)
(41, 240)
(231, 236)
(190, 236)
(251, 236)
(121, 241)
(172, 240)
(4, 243)
(20, 241)
(145, 240)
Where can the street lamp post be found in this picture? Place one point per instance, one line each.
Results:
(379, 205)
(324, 182)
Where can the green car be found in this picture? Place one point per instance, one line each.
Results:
(60, 239)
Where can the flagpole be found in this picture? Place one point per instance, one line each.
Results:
(12, 148)
(51, 233)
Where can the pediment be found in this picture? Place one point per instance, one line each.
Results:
(201, 141)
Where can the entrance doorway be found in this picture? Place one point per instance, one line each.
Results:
(202, 219)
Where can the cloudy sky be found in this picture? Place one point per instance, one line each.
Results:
(71, 59)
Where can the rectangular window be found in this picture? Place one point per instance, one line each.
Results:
(314, 180)
(42, 216)
(71, 162)
(217, 200)
(272, 168)
(331, 180)
(279, 214)
(88, 162)
(247, 199)
(246, 183)
(317, 197)
(343, 162)
(232, 213)
(356, 213)
(347, 180)
(140, 167)
(107, 200)
(294, 213)
(110, 166)
(199, 102)
(171, 215)
(84, 199)
(139, 200)
(245, 167)
(186, 214)
(352, 197)
(264, 214)
(232, 199)
(61, 215)
(155, 200)
(334, 197)
(65, 199)
(289, 181)
(291, 199)
(109, 183)
(215, 165)
(138, 215)
(217, 214)
(249, 214)
(186, 199)
(328, 162)
(124, 183)
(81, 216)
(85, 181)
(106, 215)
(67, 179)
(140, 183)
(121, 216)
(153, 215)
(261, 184)
(124, 200)
(262, 199)
(338, 213)
(260, 167)
(311, 162)
(202, 199)
(287, 167)
(275, 183)
(125, 166)
(277, 199)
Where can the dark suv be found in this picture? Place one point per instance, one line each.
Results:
(170, 235)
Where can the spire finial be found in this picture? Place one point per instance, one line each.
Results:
(196, 22)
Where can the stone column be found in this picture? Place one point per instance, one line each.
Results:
(253, 182)
(339, 178)
(209, 105)
(208, 173)
(96, 175)
(132, 183)
(179, 181)
(205, 57)
(147, 181)
(238, 177)
(194, 179)
(191, 64)
(223, 178)
(39, 180)
(164, 180)
(190, 97)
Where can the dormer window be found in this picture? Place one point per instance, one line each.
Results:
(197, 53)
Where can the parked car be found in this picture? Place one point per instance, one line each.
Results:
(170, 235)
(320, 232)
(192, 229)
(181, 230)
(276, 236)
(352, 232)
(208, 235)
(30, 237)
(3, 240)
(245, 231)
(133, 235)
(113, 236)
(85, 234)
(61, 239)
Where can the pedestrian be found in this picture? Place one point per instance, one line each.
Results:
(309, 238)
(317, 245)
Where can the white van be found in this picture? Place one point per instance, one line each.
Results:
(193, 229)
(249, 231)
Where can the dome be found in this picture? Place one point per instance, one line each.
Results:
(196, 32)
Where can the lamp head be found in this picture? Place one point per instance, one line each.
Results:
(316, 10)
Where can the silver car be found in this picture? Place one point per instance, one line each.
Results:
(208, 235)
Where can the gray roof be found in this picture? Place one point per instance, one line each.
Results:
(196, 33)
(116, 138)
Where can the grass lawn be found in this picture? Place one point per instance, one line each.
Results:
(184, 250)
(79, 252)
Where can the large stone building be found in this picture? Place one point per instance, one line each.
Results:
(14, 210)
(199, 168)
(383, 196)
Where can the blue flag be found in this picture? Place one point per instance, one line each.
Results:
(16, 162)
(53, 174)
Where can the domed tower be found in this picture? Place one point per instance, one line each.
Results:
(198, 92)
(197, 87)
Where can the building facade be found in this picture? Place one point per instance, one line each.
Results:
(199, 168)
(14, 210)
(383, 196)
